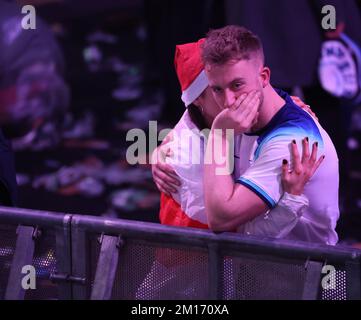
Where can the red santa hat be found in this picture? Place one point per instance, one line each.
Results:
(190, 71)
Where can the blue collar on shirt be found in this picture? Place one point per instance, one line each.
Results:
(279, 117)
(290, 120)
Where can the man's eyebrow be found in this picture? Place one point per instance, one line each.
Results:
(237, 80)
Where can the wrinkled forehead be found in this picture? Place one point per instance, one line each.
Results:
(252, 59)
(223, 74)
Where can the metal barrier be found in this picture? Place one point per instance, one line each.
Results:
(42, 240)
(85, 257)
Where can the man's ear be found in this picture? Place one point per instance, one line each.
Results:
(265, 76)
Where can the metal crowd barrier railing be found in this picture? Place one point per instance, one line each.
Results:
(86, 257)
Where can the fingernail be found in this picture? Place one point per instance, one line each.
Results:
(284, 161)
(294, 141)
(323, 157)
(316, 143)
(307, 139)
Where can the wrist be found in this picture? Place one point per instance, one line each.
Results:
(294, 203)
(216, 124)
(292, 189)
(294, 192)
(218, 132)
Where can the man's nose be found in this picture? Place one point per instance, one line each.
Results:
(229, 99)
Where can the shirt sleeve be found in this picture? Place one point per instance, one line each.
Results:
(280, 221)
(187, 161)
(264, 175)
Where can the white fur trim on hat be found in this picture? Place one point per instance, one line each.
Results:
(195, 89)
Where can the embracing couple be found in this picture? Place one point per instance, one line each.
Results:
(274, 188)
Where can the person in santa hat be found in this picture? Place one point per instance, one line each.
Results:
(178, 164)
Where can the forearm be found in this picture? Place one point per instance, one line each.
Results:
(227, 204)
(218, 183)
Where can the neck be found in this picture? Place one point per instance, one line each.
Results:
(208, 121)
(271, 104)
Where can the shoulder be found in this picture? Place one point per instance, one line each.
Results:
(185, 123)
(187, 145)
(295, 120)
(293, 123)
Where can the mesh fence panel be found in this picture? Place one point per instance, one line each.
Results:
(260, 278)
(161, 273)
(44, 262)
(7, 248)
(338, 291)
(150, 272)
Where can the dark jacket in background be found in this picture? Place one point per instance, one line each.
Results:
(291, 33)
